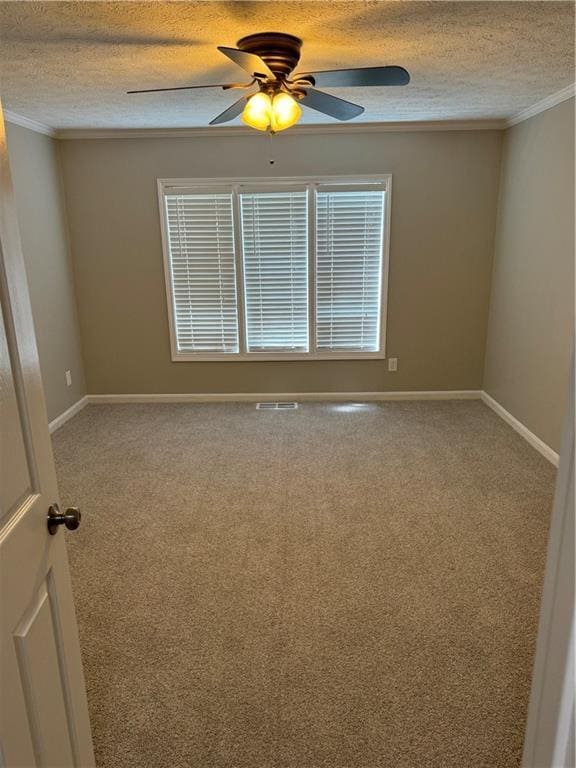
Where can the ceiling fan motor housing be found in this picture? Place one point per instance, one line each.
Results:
(280, 51)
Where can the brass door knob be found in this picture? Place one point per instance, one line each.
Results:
(71, 518)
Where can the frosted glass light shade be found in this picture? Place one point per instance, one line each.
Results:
(258, 111)
(285, 112)
(277, 113)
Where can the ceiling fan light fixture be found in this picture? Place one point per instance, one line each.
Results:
(271, 58)
(285, 112)
(274, 113)
(258, 111)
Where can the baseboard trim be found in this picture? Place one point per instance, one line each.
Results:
(240, 397)
(249, 397)
(67, 415)
(522, 430)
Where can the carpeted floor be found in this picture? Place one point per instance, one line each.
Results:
(341, 586)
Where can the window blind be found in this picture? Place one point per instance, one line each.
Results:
(275, 261)
(349, 232)
(201, 252)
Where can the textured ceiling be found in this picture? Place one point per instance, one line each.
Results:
(68, 64)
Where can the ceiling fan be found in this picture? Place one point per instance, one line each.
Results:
(270, 58)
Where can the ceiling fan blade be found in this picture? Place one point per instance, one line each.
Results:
(366, 76)
(181, 88)
(330, 105)
(251, 63)
(229, 114)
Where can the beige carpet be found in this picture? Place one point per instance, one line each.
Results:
(334, 587)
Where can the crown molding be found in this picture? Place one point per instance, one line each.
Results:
(541, 106)
(301, 130)
(26, 122)
(403, 126)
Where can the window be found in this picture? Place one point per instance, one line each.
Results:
(274, 227)
(202, 269)
(276, 269)
(349, 230)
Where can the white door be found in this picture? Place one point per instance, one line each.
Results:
(44, 716)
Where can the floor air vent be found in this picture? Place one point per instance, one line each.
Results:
(276, 406)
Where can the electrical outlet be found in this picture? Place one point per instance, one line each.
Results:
(392, 363)
(68, 379)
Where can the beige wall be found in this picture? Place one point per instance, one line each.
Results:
(445, 187)
(443, 218)
(531, 316)
(41, 214)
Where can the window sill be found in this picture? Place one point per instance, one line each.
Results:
(259, 357)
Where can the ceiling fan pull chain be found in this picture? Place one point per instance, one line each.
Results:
(271, 159)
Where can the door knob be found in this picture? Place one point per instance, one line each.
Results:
(71, 518)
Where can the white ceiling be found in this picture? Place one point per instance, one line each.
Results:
(68, 64)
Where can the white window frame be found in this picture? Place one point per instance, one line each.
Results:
(195, 186)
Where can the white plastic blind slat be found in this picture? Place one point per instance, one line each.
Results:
(202, 272)
(349, 236)
(275, 258)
